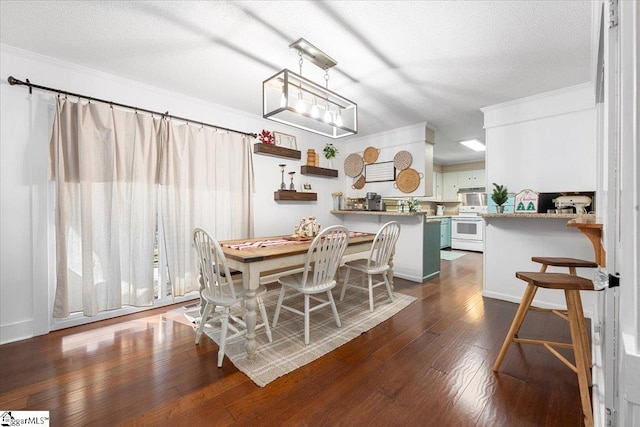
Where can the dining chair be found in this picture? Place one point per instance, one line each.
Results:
(376, 263)
(318, 277)
(219, 290)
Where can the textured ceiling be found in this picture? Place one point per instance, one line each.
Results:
(403, 62)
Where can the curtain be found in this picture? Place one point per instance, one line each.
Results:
(105, 164)
(206, 181)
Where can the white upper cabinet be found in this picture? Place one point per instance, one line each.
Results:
(450, 186)
(437, 187)
(454, 181)
(472, 179)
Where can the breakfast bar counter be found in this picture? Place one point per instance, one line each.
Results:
(528, 215)
(379, 213)
(417, 254)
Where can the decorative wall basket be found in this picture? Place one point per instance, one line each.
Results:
(371, 154)
(402, 160)
(408, 180)
(359, 183)
(353, 165)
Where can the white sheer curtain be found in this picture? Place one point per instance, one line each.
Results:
(206, 181)
(105, 164)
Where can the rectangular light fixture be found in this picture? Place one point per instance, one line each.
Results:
(474, 144)
(293, 100)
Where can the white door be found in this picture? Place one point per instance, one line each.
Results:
(616, 392)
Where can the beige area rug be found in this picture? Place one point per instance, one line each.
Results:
(287, 352)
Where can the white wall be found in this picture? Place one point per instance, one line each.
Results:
(26, 266)
(546, 143)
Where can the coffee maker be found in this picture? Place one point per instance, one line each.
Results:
(374, 202)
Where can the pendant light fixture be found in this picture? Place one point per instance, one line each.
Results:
(291, 99)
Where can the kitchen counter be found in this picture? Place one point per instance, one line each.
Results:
(383, 213)
(417, 252)
(529, 215)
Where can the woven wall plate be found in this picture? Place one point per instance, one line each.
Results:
(408, 180)
(353, 165)
(371, 154)
(359, 184)
(402, 160)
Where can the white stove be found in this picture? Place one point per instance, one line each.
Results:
(467, 229)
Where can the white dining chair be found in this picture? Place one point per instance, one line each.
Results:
(318, 277)
(219, 290)
(377, 263)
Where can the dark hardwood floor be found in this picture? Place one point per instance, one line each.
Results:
(429, 365)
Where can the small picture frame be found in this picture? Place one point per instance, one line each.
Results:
(306, 186)
(285, 140)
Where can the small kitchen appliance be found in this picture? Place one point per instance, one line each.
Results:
(374, 202)
(577, 201)
(439, 210)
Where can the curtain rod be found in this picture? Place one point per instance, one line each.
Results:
(13, 81)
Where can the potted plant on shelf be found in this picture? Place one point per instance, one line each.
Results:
(499, 196)
(330, 152)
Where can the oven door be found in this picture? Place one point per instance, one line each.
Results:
(467, 228)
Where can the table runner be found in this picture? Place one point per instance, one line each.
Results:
(250, 244)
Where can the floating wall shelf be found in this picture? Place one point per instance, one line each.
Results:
(274, 150)
(295, 195)
(312, 170)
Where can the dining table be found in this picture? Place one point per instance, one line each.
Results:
(259, 255)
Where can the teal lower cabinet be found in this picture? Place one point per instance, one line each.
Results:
(445, 233)
(430, 249)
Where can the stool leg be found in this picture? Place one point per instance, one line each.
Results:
(575, 317)
(527, 298)
(583, 330)
(585, 339)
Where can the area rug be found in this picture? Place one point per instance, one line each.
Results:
(287, 352)
(451, 255)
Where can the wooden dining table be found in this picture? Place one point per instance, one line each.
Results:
(256, 256)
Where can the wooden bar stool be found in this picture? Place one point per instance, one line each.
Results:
(571, 285)
(571, 264)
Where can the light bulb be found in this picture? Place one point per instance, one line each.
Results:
(283, 100)
(300, 104)
(339, 121)
(315, 113)
(327, 115)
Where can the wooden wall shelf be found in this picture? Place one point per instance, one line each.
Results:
(312, 170)
(274, 150)
(295, 195)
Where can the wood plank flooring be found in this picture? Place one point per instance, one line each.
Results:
(429, 365)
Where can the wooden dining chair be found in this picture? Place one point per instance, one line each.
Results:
(318, 277)
(219, 290)
(377, 263)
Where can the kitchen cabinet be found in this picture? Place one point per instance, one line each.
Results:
(430, 252)
(437, 187)
(450, 186)
(454, 181)
(445, 233)
(472, 179)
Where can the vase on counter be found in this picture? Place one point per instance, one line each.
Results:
(336, 202)
(500, 209)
